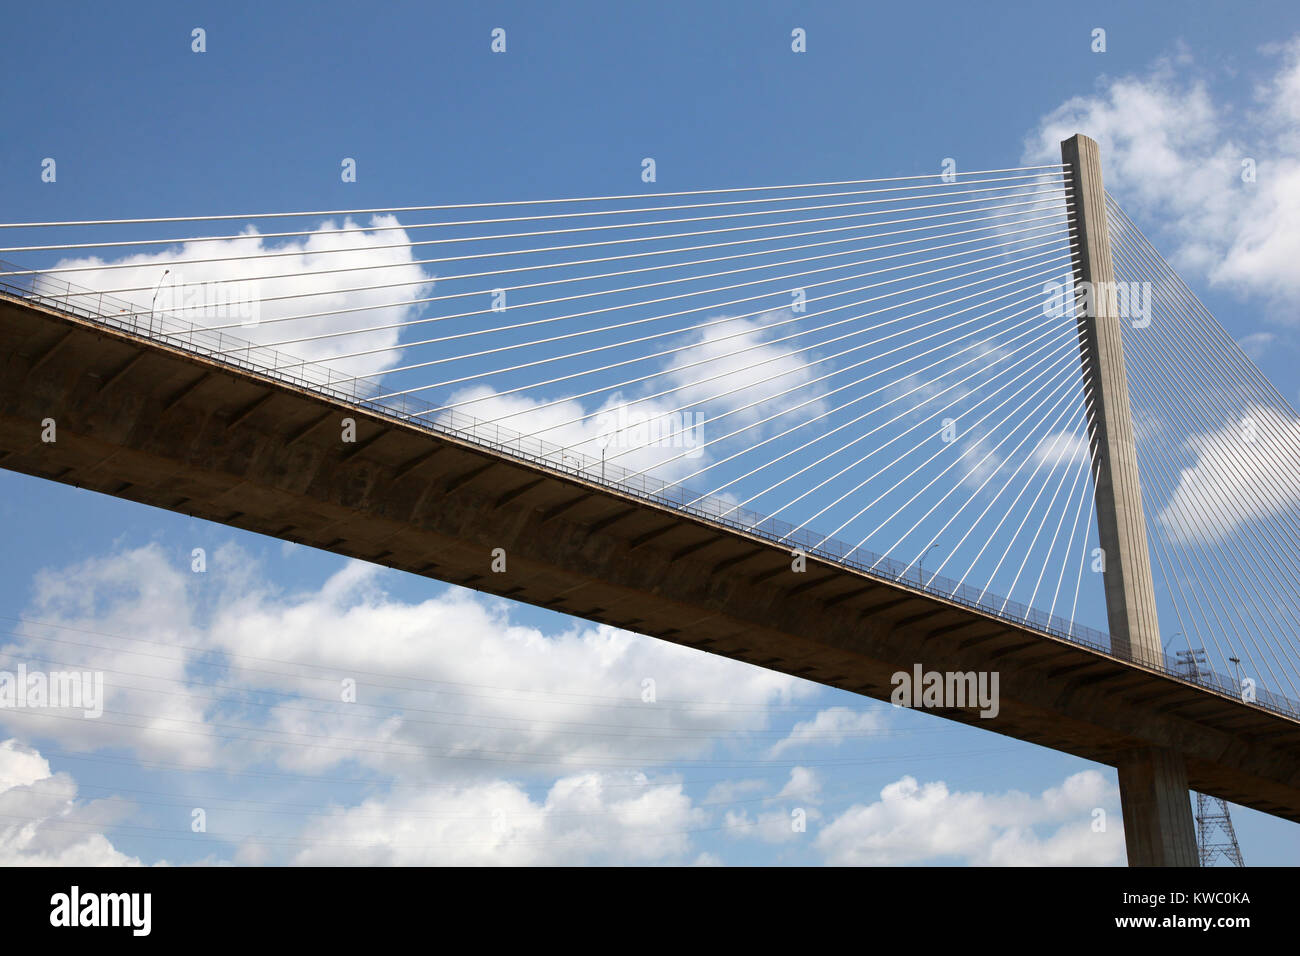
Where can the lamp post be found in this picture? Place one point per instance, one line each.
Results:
(157, 289)
(920, 562)
(1236, 669)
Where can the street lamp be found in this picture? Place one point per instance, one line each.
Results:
(1236, 668)
(920, 562)
(156, 290)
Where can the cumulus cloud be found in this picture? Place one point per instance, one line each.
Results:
(42, 820)
(1257, 457)
(571, 698)
(723, 389)
(584, 818)
(139, 593)
(477, 739)
(829, 727)
(631, 434)
(450, 683)
(459, 710)
(914, 822)
(345, 270)
(786, 815)
(736, 370)
(1224, 183)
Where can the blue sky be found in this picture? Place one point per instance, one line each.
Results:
(141, 126)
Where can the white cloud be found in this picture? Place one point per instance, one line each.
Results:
(449, 689)
(581, 819)
(914, 823)
(723, 379)
(583, 698)
(1062, 449)
(797, 799)
(42, 822)
(729, 791)
(742, 370)
(139, 593)
(450, 682)
(1257, 345)
(634, 434)
(1257, 458)
(317, 252)
(804, 784)
(1174, 154)
(829, 727)
(570, 776)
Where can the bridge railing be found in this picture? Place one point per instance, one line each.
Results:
(182, 333)
(61, 295)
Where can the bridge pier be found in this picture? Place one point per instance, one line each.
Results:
(1153, 795)
(1158, 829)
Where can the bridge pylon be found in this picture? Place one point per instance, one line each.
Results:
(1158, 826)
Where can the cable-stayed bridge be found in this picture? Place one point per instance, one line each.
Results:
(965, 423)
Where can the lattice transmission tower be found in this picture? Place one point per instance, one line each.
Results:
(1215, 836)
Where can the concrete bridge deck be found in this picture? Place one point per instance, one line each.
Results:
(154, 423)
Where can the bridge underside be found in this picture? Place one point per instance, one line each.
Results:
(179, 431)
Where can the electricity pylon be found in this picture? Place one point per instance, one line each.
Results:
(1215, 836)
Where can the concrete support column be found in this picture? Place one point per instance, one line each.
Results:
(1158, 828)
(1130, 596)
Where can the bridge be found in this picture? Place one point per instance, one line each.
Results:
(1045, 412)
